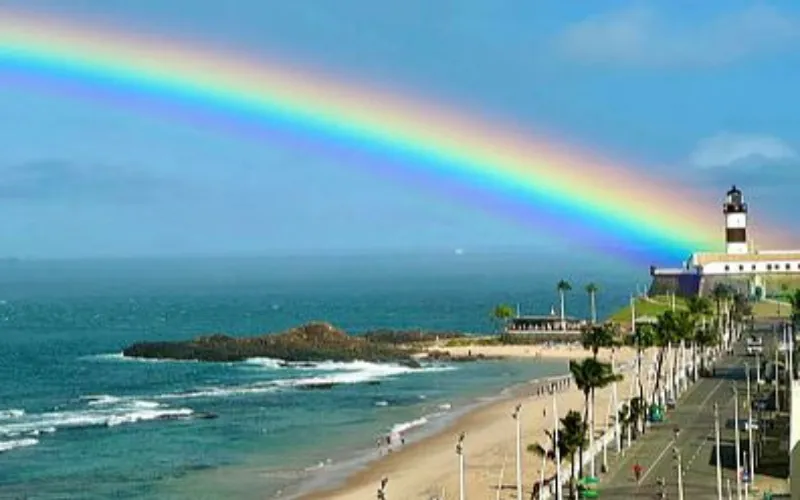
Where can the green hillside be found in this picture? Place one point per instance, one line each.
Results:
(647, 306)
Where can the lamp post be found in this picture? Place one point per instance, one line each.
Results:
(777, 399)
(719, 459)
(615, 403)
(557, 450)
(750, 444)
(679, 466)
(738, 444)
(460, 453)
(518, 420)
(758, 369)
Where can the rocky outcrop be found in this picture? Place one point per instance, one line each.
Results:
(310, 342)
(448, 357)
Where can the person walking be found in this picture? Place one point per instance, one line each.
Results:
(637, 471)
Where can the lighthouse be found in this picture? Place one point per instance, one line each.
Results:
(735, 210)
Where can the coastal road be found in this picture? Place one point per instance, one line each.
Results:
(694, 417)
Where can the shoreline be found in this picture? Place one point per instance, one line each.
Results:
(426, 465)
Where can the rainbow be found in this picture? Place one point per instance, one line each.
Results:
(553, 188)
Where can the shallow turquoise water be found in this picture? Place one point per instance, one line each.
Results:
(78, 421)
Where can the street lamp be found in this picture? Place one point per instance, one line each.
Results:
(719, 460)
(679, 465)
(738, 444)
(460, 453)
(517, 419)
(750, 444)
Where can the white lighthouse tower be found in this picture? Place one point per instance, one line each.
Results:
(735, 210)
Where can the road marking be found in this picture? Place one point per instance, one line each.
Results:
(711, 393)
(708, 436)
(655, 462)
(672, 441)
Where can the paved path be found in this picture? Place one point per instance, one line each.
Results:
(694, 417)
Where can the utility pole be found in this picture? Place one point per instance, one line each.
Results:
(777, 387)
(679, 465)
(558, 452)
(460, 453)
(738, 445)
(758, 369)
(749, 480)
(615, 402)
(517, 419)
(790, 335)
(719, 459)
(750, 444)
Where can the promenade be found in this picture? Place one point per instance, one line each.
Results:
(693, 418)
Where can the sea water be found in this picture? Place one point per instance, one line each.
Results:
(78, 420)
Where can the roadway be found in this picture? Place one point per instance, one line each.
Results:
(694, 417)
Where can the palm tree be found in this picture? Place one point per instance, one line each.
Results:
(571, 439)
(644, 338)
(596, 337)
(706, 337)
(592, 290)
(590, 375)
(700, 308)
(784, 293)
(685, 328)
(632, 414)
(666, 334)
(501, 314)
(721, 293)
(563, 287)
(794, 300)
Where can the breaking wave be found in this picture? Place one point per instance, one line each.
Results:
(357, 372)
(11, 413)
(100, 411)
(17, 443)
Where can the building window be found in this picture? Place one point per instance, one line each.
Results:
(788, 267)
(753, 267)
(727, 268)
(769, 267)
(741, 267)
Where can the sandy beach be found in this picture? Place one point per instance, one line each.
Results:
(428, 468)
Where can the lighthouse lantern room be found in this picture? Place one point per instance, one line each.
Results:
(735, 210)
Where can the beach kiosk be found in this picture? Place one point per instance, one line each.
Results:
(543, 324)
(656, 413)
(587, 487)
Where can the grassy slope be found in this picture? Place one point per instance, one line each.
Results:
(659, 304)
(769, 309)
(647, 307)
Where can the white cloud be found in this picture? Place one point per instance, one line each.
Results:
(640, 36)
(727, 149)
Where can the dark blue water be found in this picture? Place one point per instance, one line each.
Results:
(79, 421)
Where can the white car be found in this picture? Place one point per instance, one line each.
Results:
(743, 425)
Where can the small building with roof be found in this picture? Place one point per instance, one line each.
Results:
(527, 324)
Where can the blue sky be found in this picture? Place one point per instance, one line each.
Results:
(703, 92)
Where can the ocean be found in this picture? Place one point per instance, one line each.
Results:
(79, 421)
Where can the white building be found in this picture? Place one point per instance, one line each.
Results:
(741, 265)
